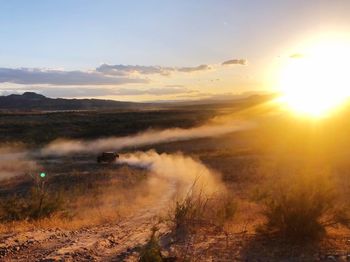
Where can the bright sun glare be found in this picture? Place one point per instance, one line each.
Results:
(317, 81)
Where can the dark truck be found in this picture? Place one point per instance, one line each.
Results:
(107, 157)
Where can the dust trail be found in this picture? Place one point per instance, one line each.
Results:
(15, 161)
(62, 147)
(181, 170)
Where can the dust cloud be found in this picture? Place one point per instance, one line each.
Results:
(183, 172)
(14, 162)
(63, 147)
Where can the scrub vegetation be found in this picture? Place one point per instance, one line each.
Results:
(285, 188)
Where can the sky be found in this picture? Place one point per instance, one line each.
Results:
(156, 50)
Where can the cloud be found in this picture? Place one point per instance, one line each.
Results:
(122, 70)
(235, 62)
(152, 91)
(103, 75)
(29, 76)
(193, 69)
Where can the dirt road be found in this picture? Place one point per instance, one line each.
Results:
(117, 241)
(120, 240)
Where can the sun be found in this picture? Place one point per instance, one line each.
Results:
(316, 81)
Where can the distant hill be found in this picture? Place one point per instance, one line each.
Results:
(30, 101)
(34, 101)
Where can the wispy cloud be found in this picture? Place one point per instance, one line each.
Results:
(235, 62)
(194, 69)
(121, 70)
(153, 91)
(29, 76)
(103, 78)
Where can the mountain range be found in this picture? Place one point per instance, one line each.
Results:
(30, 101)
(34, 101)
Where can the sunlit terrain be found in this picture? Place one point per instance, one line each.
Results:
(175, 131)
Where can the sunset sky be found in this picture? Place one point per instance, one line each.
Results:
(157, 50)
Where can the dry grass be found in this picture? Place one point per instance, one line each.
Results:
(197, 209)
(105, 202)
(302, 205)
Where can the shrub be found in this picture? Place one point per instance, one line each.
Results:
(35, 205)
(225, 208)
(151, 252)
(197, 209)
(300, 207)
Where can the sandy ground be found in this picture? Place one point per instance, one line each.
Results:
(212, 245)
(117, 241)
